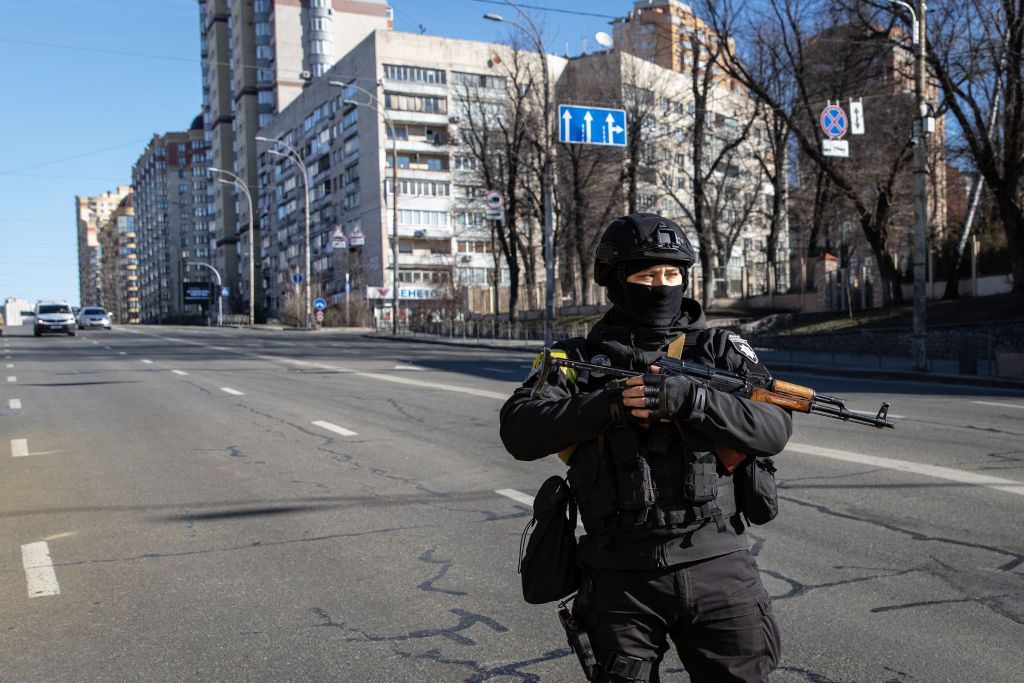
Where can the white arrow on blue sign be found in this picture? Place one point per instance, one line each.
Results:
(297, 278)
(591, 125)
(319, 304)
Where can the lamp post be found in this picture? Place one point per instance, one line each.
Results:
(922, 127)
(240, 184)
(394, 189)
(296, 158)
(547, 179)
(220, 309)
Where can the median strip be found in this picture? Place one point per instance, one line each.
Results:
(334, 428)
(42, 580)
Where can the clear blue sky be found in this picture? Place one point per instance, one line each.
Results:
(86, 83)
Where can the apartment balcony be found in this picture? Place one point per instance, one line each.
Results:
(401, 116)
(424, 260)
(425, 232)
(412, 88)
(421, 145)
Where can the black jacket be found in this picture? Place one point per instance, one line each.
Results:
(576, 413)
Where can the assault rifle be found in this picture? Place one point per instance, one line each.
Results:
(756, 387)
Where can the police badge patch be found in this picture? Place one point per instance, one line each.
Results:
(743, 347)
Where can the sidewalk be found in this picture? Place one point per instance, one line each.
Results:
(871, 366)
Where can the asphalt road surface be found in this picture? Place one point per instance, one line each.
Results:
(203, 504)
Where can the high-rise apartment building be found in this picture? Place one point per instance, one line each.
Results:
(90, 214)
(257, 56)
(444, 242)
(171, 222)
(120, 269)
(669, 34)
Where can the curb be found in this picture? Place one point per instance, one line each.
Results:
(867, 373)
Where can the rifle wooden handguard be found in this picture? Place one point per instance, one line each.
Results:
(798, 405)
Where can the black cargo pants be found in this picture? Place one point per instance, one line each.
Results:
(716, 611)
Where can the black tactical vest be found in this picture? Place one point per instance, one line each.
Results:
(630, 477)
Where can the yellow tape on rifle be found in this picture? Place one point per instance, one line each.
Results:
(570, 373)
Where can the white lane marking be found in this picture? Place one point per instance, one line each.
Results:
(997, 483)
(999, 405)
(12, 379)
(63, 534)
(434, 385)
(14, 404)
(334, 428)
(502, 370)
(107, 348)
(19, 448)
(9, 365)
(219, 348)
(42, 580)
(179, 372)
(147, 361)
(122, 353)
(233, 392)
(523, 498)
(409, 367)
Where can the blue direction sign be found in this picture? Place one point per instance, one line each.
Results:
(591, 125)
(834, 122)
(297, 278)
(319, 304)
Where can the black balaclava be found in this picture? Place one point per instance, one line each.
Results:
(646, 305)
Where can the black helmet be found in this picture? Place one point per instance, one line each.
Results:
(640, 237)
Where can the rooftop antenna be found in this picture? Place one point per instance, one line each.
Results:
(583, 44)
(423, 29)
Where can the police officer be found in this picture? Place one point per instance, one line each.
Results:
(664, 554)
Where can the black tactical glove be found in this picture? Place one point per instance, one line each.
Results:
(674, 398)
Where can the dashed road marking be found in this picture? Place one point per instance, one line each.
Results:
(233, 392)
(334, 428)
(122, 353)
(107, 348)
(502, 370)
(409, 367)
(523, 498)
(42, 580)
(948, 473)
(147, 361)
(999, 405)
(12, 379)
(9, 365)
(179, 372)
(19, 448)
(14, 404)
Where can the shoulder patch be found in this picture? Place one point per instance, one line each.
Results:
(743, 346)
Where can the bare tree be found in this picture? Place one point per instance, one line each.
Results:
(496, 137)
(976, 52)
(827, 55)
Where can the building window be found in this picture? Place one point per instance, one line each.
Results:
(415, 74)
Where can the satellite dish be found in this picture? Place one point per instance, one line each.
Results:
(603, 39)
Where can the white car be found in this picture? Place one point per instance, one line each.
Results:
(54, 316)
(93, 316)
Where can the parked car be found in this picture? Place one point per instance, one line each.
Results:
(54, 316)
(93, 316)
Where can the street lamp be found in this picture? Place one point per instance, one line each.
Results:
(240, 184)
(394, 190)
(919, 345)
(296, 158)
(547, 179)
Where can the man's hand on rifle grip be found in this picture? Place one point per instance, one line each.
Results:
(655, 396)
